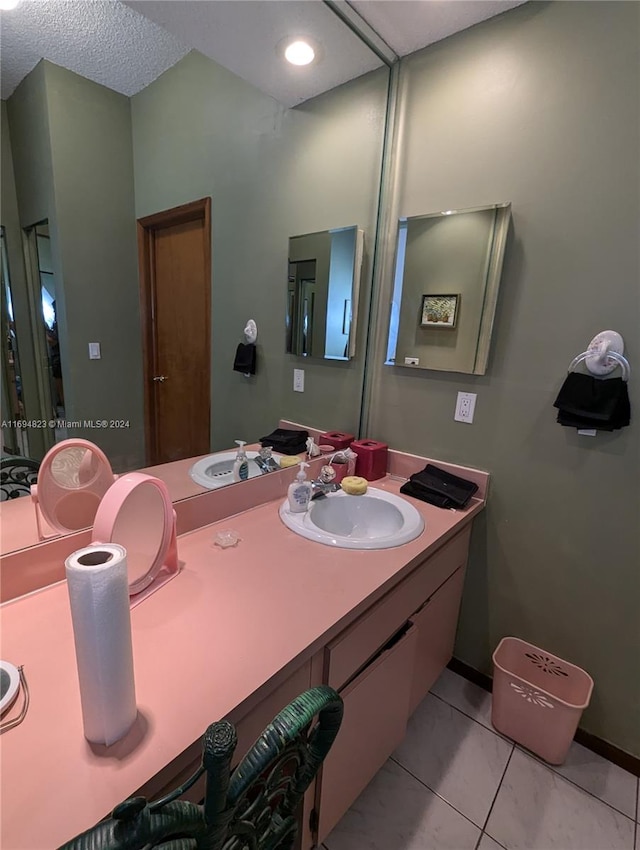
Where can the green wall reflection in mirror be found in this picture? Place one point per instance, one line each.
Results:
(453, 257)
(322, 293)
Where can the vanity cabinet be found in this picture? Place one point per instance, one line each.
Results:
(435, 624)
(383, 665)
(248, 728)
(376, 708)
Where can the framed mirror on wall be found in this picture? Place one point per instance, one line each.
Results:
(447, 277)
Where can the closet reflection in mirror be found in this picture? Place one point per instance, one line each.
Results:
(322, 293)
(458, 255)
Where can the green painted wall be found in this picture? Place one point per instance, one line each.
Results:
(90, 132)
(540, 107)
(74, 166)
(271, 173)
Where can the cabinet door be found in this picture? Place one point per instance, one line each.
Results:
(376, 709)
(353, 648)
(435, 624)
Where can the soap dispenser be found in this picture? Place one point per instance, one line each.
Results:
(299, 493)
(241, 464)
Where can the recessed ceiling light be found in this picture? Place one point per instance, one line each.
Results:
(7, 5)
(299, 52)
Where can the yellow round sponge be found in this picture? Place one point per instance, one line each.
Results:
(289, 460)
(354, 485)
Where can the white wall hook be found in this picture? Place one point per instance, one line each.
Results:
(251, 332)
(597, 360)
(604, 354)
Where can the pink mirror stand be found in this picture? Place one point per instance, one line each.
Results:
(73, 477)
(137, 513)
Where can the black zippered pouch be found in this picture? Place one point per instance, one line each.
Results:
(440, 488)
(286, 442)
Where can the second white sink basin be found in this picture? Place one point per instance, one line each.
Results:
(377, 520)
(216, 470)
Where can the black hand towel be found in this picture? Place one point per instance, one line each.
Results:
(245, 359)
(586, 402)
(595, 398)
(440, 488)
(285, 441)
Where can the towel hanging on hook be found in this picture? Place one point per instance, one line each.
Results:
(590, 403)
(245, 359)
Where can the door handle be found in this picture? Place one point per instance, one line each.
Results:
(160, 379)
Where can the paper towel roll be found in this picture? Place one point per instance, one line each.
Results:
(99, 595)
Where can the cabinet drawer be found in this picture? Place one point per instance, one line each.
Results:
(376, 709)
(356, 645)
(436, 624)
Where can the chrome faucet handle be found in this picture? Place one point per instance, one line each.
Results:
(323, 488)
(327, 474)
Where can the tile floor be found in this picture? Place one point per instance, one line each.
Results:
(455, 784)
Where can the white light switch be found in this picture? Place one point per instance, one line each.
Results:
(94, 351)
(298, 380)
(465, 406)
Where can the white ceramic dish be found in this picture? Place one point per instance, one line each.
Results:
(9, 685)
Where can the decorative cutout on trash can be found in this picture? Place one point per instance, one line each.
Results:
(531, 696)
(546, 664)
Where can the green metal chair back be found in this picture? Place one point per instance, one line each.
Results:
(252, 807)
(17, 474)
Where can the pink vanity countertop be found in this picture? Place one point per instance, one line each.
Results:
(210, 644)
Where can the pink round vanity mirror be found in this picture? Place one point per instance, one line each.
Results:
(137, 513)
(72, 479)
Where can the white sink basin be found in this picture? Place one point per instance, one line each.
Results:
(216, 470)
(377, 520)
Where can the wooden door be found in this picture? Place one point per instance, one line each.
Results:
(174, 248)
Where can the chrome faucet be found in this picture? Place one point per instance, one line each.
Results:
(324, 483)
(323, 488)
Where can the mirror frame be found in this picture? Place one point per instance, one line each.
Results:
(293, 333)
(491, 289)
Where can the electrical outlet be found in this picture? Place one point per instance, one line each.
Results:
(298, 380)
(411, 361)
(465, 407)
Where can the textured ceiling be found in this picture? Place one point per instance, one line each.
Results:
(243, 35)
(104, 41)
(127, 45)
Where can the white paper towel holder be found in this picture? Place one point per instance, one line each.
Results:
(137, 513)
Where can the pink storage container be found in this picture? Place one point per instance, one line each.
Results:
(538, 698)
(372, 459)
(338, 439)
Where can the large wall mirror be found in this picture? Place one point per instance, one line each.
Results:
(447, 277)
(322, 293)
(84, 159)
